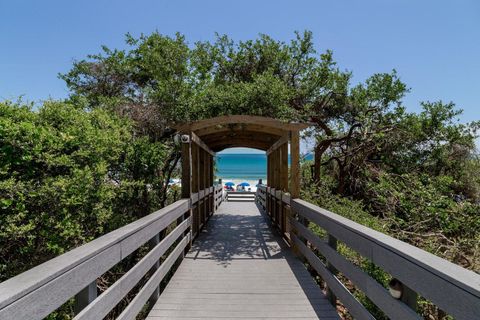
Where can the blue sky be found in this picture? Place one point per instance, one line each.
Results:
(434, 45)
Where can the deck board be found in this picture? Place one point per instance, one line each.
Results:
(239, 269)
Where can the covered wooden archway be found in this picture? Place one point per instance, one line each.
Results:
(202, 139)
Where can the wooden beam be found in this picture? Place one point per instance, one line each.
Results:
(256, 136)
(231, 119)
(202, 144)
(240, 127)
(277, 144)
(221, 145)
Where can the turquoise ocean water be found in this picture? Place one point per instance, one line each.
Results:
(244, 166)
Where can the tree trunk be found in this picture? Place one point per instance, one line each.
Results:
(320, 149)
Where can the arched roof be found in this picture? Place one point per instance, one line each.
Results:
(240, 131)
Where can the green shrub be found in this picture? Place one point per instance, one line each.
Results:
(68, 176)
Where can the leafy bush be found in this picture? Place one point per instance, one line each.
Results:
(68, 176)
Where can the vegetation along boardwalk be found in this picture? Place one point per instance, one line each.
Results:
(239, 263)
(238, 268)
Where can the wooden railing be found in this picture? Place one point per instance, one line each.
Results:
(277, 205)
(219, 196)
(451, 288)
(38, 292)
(203, 205)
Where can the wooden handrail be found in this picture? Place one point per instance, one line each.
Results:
(36, 293)
(420, 272)
(452, 288)
(39, 283)
(375, 291)
(39, 291)
(100, 307)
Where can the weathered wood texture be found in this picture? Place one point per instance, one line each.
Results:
(115, 293)
(240, 131)
(278, 143)
(376, 292)
(452, 288)
(412, 266)
(201, 144)
(238, 269)
(236, 119)
(36, 293)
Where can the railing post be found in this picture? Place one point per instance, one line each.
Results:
(220, 183)
(332, 242)
(409, 297)
(282, 214)
(153, 243)
(267, 200)
(85, 296)
(273, 207)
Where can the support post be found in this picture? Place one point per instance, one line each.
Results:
(195, 188)
(295, 164)
(409, 297)
(204, 174)
(220, 183)
(283, 185)
(294, 176)
(156, 294)
(200, 187)
(332, 242)
(269, 183)
(211, 184)
(186, 167)
(187, 181)
(277, 186)
(85, 296)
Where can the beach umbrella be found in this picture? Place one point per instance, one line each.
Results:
(229, 184)
(244, 184)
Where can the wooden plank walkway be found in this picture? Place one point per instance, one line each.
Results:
(238, 269)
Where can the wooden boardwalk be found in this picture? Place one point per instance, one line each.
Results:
(238, 269)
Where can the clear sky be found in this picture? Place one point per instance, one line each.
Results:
(434, 45)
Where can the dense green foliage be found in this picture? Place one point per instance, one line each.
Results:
(68, 176)
(418, 182)
(420, 178)
(73, 170)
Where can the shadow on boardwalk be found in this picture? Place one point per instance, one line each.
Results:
(232, 236)
(239, 268)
